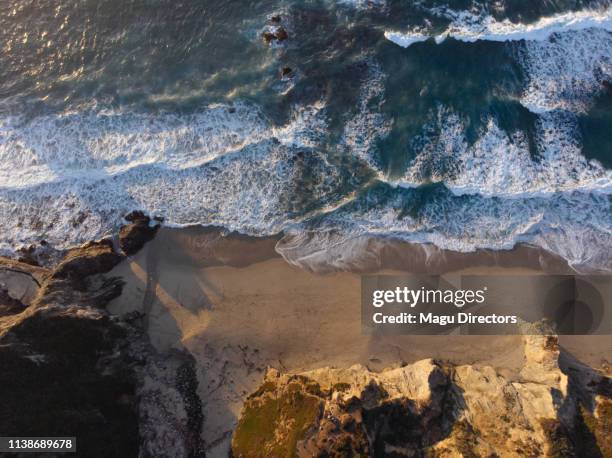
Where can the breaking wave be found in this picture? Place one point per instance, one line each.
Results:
(565, 57)
(468, 27)
(70, 178)
(566, 73)
(575, 226)
(501, 164)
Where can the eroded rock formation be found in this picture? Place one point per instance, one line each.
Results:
(69, 368)
(133, 236)
(433, 409)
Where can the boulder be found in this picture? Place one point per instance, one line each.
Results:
(281, 34)
(286, 72)
(133, 236)
(275, 34)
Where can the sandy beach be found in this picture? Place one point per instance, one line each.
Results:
(239, 308)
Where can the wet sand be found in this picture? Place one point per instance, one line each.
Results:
(239, 308)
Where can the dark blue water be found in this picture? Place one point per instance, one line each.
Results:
(184, 110)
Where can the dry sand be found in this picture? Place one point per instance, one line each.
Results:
(239, 308)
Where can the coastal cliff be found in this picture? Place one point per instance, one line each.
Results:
(72, 369)
(556, 407)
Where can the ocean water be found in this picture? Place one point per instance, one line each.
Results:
(466, 124)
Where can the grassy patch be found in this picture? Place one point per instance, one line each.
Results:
(273, 423)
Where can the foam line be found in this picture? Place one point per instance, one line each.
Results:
(466, 28)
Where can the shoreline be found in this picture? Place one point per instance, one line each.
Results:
(232, 309)
(239, 308)
(363, 254)
(213, 245)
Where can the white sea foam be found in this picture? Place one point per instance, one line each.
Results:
(406, 39)
(363, 4)
(574, 226)
(79, 173)
(259, 190)
(558, 199)
(565, 57)
(70, 178)
(466, 26)
(95, 144)
(306, 129)
(368, 124)
(566, 73)
(500, 164)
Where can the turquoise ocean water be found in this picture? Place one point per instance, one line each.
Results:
(466, 124)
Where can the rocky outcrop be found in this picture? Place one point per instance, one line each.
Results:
(350, 412)
(89, 259)
(275, 34)
(275, 31)
(286, 72)
(69, 368)
(76, 278)
(133, 236)
(22, 279)
(64, 371)
(64, 375)
(432, 409)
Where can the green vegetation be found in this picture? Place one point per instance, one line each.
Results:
(274, 422)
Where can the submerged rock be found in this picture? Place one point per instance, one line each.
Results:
(268, 37)
(275, 34)
(281, 34)
(286, 72)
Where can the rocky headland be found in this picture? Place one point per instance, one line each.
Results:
(556, 408)
(69, 368)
